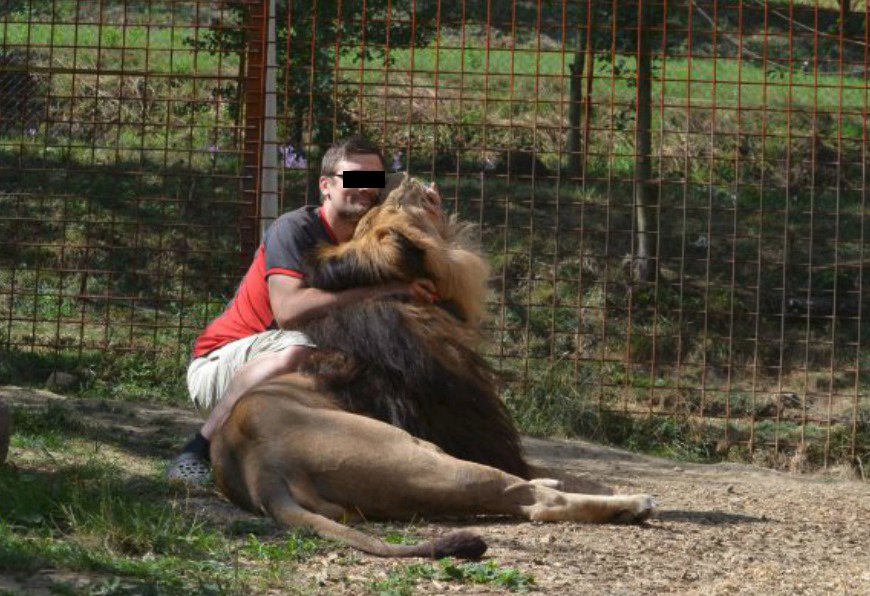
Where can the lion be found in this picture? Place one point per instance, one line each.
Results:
(395, 415)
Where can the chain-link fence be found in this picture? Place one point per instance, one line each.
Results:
(673, 195)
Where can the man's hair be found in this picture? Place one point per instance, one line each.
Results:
(355, 145)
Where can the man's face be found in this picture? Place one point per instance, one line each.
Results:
(351, 203)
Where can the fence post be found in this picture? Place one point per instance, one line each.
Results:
(260, 174)
(269, 175)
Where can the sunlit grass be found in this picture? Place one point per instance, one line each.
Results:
(155, 49)
(697, 82)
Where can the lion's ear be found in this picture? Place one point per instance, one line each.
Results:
(394, 181)
(433, 197)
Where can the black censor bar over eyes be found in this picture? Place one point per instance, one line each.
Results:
(363, 178)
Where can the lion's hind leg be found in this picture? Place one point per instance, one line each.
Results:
(620, 509)
(303, 492)
(540, 502)
(291, 514)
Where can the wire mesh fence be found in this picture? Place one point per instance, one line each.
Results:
(673, 195)
(119, 185)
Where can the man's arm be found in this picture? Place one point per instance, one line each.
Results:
(294, 303)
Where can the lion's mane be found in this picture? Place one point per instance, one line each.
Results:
(413, 365)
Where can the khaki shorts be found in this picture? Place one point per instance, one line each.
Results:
(209, 376)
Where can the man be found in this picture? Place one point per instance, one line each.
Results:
(253, 340)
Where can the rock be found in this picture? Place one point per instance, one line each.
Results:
(59, 381)
(5, 430)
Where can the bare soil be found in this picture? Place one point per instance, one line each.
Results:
(720, 529)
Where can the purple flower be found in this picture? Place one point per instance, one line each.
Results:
(292, 160)
(32, 131)
(397, 162)
(300, 164)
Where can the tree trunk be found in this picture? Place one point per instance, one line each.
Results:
(845, 12)
(644, 261)
(575, 110)
(583, 64)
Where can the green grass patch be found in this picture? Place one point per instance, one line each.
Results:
(91, 517)
(162, 49)
(156, 374)
(407, 579)
(606, 403)
(105, 517)
(679, 79)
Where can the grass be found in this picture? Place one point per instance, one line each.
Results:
(120, 93)
(680, 80)
(110, 47)
(92, 518)
(95, 514)
(406, 579)
(607, 402)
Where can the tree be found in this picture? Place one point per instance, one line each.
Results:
(584, 62)
(646, 226)
(624, 29)
(312, 37)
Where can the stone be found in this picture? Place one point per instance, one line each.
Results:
(59, 381)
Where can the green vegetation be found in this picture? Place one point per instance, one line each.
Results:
(404, 580)
(122, 216)
(98, 512)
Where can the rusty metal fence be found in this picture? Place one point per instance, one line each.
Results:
(673, 195)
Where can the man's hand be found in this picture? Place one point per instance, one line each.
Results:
(421, 290)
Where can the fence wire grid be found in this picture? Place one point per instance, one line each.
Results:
(673, 195)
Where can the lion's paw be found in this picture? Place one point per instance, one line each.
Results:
(639, 509)
(646, 508)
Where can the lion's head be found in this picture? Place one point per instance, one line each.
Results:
(409, 219)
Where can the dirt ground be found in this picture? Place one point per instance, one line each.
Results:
(720, 529)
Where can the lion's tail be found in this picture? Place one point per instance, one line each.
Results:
(462, 544)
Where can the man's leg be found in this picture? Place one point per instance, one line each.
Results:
(217, 382)
(256, 371)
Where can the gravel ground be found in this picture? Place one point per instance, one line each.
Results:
(720, 529)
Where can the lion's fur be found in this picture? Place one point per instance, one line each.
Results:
(395, 414)
(286, 451)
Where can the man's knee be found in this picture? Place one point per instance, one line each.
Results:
(293, 356)
(287, 360)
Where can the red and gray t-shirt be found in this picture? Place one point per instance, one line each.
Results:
(286, 243)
